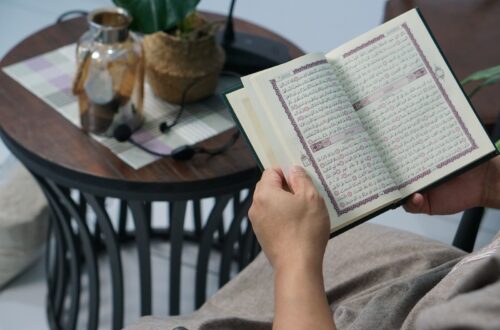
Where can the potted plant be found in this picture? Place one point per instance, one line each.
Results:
(182, 54)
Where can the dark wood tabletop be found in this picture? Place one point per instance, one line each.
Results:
(34, 126)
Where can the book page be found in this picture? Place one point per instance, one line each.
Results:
(268, 153)
(409, 102)
(316, 122)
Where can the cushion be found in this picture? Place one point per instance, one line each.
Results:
(23, 220)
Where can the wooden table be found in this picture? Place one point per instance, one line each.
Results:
(64, 159)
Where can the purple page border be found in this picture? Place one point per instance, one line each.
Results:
(308, 151)
(404, 184)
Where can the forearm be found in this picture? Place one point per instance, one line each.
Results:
(300, 299)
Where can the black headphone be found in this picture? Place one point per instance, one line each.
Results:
(123, 133)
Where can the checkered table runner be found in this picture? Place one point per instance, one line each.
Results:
(49, 76)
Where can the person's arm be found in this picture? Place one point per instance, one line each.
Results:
(477, 187)
(292, 226)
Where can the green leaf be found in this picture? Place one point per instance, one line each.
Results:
(483, 74)
(178, 10)
(497, 144)
(490, 81)
(150, 16)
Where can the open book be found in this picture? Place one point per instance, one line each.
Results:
(372, 121)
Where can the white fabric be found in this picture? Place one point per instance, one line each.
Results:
(23, 219)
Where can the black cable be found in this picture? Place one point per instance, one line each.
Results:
(164, 126)
(187, 152)
(149, 151)
(123, 132)
(229, 28)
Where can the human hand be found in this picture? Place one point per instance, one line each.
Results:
(478, 187)
(290, 221)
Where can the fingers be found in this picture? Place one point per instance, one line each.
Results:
(417, 203)
(299, 181)
(270, 187)
(273, 178)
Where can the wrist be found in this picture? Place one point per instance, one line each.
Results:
(300, 299)
(306, 279)
(297, 266)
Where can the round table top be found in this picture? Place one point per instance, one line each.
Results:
(49, 140)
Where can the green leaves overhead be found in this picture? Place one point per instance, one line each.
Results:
(150, 16)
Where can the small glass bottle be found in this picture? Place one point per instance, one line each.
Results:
(109, 81)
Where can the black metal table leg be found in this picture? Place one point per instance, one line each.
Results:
(113, 249)
(205, 246)
(60, 274)
(53, 264)
(231, 239)
(197, 217)
(122, 219)
(246, 242)
(177, 212)
(140, 216)
(61, 215)
(75, 247)
(89, 254)
(63, 313)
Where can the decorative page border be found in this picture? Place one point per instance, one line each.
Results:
(450, 105)
(443, 92)
(404, 184)
(448, 101)
(308, 66)
(363, 45)
(307, 149)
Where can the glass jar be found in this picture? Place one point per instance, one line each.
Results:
(109, 82)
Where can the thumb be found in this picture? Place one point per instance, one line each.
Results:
(298, 179)
(417, 203)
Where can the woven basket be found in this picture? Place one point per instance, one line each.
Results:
(174, 64)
